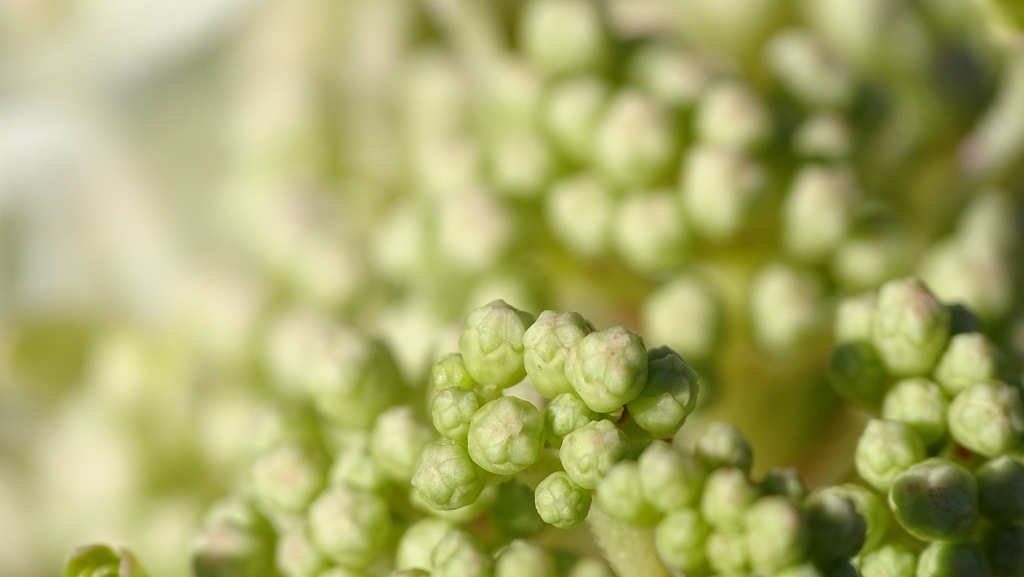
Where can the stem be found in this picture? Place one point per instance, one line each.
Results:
(629, 550)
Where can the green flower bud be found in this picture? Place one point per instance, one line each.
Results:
(617, 495)
(719, 188)
(1001, 489)
(668, 396)
(571, 113)
(492, 344)
(728, 493)
(459, 515)
(546, 345)
(235, 539)
(102, 561)
(987, 418)
(296, 554)
(397, 442)
(355, 467)
(608, 368)
(563, 415)
(968, 360)
(856, 372)
(729, 114)
(579, 212)
(838, 530)
(817, 211)
(513, 512)
(419, 541)
(521, 558)
(590, 567)
(447, 478)
(866, 261)
(910, 328)
(889, 560)
(777, 534)
(685, 315)
(809, 70)
(288, 476)
(945, 559)
(520, 164)
(449, 371)
(824, 135)
(935, 500)
(669, 478)
(451, 411)
(458, 554)
(681, 538)
(649, 231)
(727, 553)
(886, 449)
(722, 445)
(350, 526)
(670, 75)
(919, 403)
(589, 452)
(1004, 547)
(561, 502)
(633, 144)
(506, 435)
(784, 483)
(872, 508)
(561, 36)
(785, 307)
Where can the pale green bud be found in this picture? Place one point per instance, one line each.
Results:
(872, 508)
(522, 559)
(685, 315)
(856, 372)
(777, 536)
(974, 274)
(561, 36)
(608, 368)
(838, 531)
(297, 556)
(719, 187)
(855, 317)
(728, 493)
(520, 164)
(459, 554)
(784, 483)
(102, 561)
(419, 541)
(617, 495)
(447, 478)
(449, 371)
(889, 560)
(824, 135)
(492, 344)
(506, 435)
(561, 502)
(681, 538)
(919, 403)
(350, 526)
(452, 410)
(571, 113)
(473, 230)
(458, 515)
(669, 478)
(579, 212)
(510, 90)
(809, 70)
(987, 418)
(886, 449)
(236, 540)
(674, 77)
(649, 231)
(634, 143)
(1004, 546)
(730, 114)
(785, 307)
(288, 476)
(589, 452)
(727, 553)
(591, 567)
(865, 262)
(945, 559)
(355, 466)
(546, 345)
(935, 500)
(563, 415)
(397, 442)
(969, 359)
(910, 328)
(668, 396)
(817, 211)
(1001, 489)
(341, 572)
(722, 445)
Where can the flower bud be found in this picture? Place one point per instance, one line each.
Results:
(350, 526)
(492, 344)
(397, 442)
(722, 445)
(561, 36)
(520, 558)
(589, 452)
(728, 493)
(579, 212)
(919, 403)
(506, 435)
(872, 508)
(945, 559)
(817, 211)
(889, 560)
(809, 70)
(730, 114)
(987, 418)
(235, 539)
(668, 396)
(649, 231)
(1004, 545)
(1001, 489)
(634, 144)
(546, 345)
(785, 307)
(670, 75)
(719, 187)
(297, 556)
(838, 531)
(354, 466)
(561, 502)
(825, 135)
(969, 359)
(571, 113)
(669, 478)
(288, 476)
(776, 531)
(685, 315)
(447, 478)
(520, 164)
(784, 483)
(910, 327)
(856, 372)
(607, 368)
(101, 560)
(419, 541)
(886, 449)
(459, 554)
(452, 410)
(617, 495)
(681, 538)
(727, 553)
(563, 415)
(450, 371)
(472, 233)
(935, 500)
(591, 567)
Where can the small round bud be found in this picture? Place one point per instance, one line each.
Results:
(1001, 489)
(634, 144)
(866, 261)
(608, 368)
(397, 442)
(561, 36)
(288, 476)
(681, 538)
(910, 328)
(935, 500)
(590, 567)
(886, 449)
(355, 467)
(571, 113)
(521, 558)
(563, 415)
(817, 211)
(969, 359)
(236, 539)
(727, 553)
(617, 495)
(546, 344)
(809, 70)
(458, 515)
(668, 396)
(854, 318)
(492, 344)
(579, 212)
(719, 186)
(449, 371)
(1004, 547)
(506, 435)
(856, 372)
(419, 541)
(838, 530)
(561, 502)
(722, 445)
(685, 315)
(674, 77)
(447, 478)
(102, 561)
(520, 164)
(872, 508)
(350, 526)
(296, 554)
(649, 232)
(784, 483)
(777, 534)
(785, 307)
(825, 135)
(589, 452)
(728, 493)
(452, 410)
(669, 478)
(729, 114)
(945, 559)
(889, 560)
(459, 554)
(987, 418)
(919, 403)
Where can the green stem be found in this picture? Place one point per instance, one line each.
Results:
(629, 550)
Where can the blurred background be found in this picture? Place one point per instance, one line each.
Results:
(181, 180)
